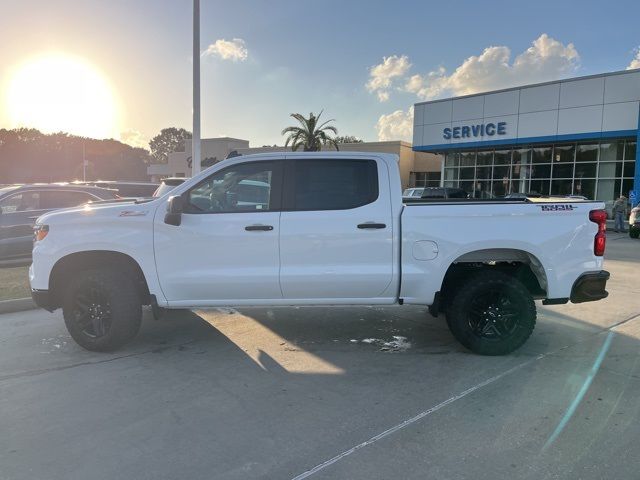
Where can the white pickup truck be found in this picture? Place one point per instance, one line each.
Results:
(317, 229)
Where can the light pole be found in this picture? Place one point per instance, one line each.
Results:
(195, 141)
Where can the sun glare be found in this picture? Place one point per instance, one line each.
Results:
(61, 93)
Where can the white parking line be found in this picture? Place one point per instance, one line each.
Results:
(449, 401)
(414, 419)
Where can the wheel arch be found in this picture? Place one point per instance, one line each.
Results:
(520, 264)
(95, 259)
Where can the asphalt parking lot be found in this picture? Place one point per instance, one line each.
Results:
(357, 393)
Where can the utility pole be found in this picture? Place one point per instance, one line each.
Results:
(84, 163)
(195, 141)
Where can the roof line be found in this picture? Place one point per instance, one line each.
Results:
(520, 87)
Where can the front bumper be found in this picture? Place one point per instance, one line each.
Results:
(590, 287)
(42, 298)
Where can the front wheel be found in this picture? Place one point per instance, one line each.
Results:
(491, 313)
(102, 310)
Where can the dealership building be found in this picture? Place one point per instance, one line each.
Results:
(571, 137)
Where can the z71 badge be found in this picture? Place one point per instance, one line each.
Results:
(557, 208)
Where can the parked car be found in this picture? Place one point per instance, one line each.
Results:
(330, 229)
(444, 192)
(168, 184)
(415, 192)
(126, 189)
(21, 205)
(634, 222)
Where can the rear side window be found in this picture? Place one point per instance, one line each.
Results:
(63, 199)
(331, 184)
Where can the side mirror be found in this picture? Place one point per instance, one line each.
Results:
(175, 207)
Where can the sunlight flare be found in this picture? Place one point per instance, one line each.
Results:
(62, 93)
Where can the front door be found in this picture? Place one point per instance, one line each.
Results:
(226, 248)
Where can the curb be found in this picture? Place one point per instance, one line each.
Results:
(17, 305)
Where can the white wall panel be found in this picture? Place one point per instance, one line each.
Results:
(538, 124)
(437, 112)
(620, 116)
(418, 115)
(580, 120)
(503, 103)
(536, 99)
(470, 138)
(512, 126)
(432, 134)
(417, 135)
(469, 108)
(622, 88)
(580, 93)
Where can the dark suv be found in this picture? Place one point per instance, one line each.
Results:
(444, 192)
(21, 205)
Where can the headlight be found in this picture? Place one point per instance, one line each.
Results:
(40, 232)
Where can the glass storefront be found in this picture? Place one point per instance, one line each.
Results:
(424, 179)
(599, 170)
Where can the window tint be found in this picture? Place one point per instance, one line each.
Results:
(333, 184)
(63, 199)
(247, 187)
(21, 202)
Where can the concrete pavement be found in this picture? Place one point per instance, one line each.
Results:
(356, 393)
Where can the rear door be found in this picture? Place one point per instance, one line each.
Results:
(18, 213)
(336, 229)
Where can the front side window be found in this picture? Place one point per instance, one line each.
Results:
(21, 202)
(332, 184)
(247, 187)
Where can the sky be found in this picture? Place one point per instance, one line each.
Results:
(365, 63)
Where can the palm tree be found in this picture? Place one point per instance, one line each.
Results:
(310, 135)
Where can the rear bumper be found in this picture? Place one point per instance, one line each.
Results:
(590, 287)
(42, 298)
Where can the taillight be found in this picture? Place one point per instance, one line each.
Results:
(600, 240)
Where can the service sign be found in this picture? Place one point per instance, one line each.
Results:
(489, 129)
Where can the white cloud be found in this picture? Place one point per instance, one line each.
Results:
(546, 59)
(635, 63)
(396, 126)
(134, 138)
(381, 76)
(228, 49)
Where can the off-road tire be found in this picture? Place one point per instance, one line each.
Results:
(116, 294)
(468, 320)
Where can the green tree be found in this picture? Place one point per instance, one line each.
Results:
(169, 140)
(310, 134)
(348, 139)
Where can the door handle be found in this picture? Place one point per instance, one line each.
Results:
(371, 225)
(258, 228)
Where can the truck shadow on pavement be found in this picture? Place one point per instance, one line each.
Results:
(271, 393)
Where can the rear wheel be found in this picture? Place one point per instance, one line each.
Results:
(634, 232)
(492, 313)
(102, 309)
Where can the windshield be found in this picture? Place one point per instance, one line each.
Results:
(164, 188)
